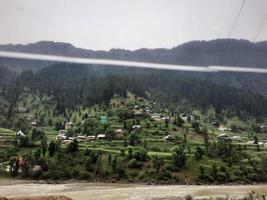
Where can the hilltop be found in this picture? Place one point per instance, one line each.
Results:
(227, 52)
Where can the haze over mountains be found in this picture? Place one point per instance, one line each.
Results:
(226, 52)
(229, 52)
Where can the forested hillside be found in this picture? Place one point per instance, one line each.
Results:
(76, 85)
(228, 52)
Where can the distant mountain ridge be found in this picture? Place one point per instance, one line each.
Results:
(228, 52)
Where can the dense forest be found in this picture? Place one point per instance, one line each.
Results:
(227, 52)
(71, 86)
(68, 121)
(96, 123)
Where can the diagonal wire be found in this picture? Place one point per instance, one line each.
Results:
(125, 63)
(236, 18)
(260, 28)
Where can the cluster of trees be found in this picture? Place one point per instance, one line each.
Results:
(223, 52)
(230, 155)
(74, 85)
(55, 162)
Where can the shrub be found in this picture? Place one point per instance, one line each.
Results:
(75, 173)
(169, 167)
(221, 177)
(134, 164)
(85, 175)
(178, 156)
(73, 146)
(88, 164)
(238, 173)
(188, 197)
(198, 154)
(55, 174)
(130, 152)
(67, 173)
(140, 154)
(120, 170)
(165, 175)
(223, 169)
(35, 174)
(133, 174)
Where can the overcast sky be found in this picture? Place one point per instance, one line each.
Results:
(129, 24)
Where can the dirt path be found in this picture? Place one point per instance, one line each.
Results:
(98, 191)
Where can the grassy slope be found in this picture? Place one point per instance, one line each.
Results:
(153, 135)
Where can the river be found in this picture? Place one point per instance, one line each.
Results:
(109, 191)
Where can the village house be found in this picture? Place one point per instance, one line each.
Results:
(119, 134)
(147, 110)
(61, 137)
(36, 168)
(236, 138)
(119, 131)
(66, 141)
(101, 136)
(156, 116)
(138, 113)
(81, 138)
(165, 118)
(23, 109)
(169, 138)
(136, 127)
(223, 137)
(20, 134)
(183, 116)
(91, 138)
(104, 120)
(68, 125)
(34, 123)
(223, 128)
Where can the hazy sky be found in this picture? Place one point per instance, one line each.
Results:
(129, 24)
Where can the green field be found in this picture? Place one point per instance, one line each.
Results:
(237, 161)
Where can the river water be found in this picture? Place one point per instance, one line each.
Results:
(108, 191)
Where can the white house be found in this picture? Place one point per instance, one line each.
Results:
(236, 138)
(91, 137)
(136, 127)
(101, 136)
(169, 138)
(23, 109)
(223, 137)
(81, 138)
(155, 117)
(119, 131)
(61, 137)
(68, 125)
(223, 128)
(34, 123)
(20, 134)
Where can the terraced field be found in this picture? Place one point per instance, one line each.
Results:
(6, 138)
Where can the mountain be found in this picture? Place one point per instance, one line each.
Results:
(74, 85)
(227, 52)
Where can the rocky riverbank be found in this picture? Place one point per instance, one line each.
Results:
(115, 191)
(37, 198)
